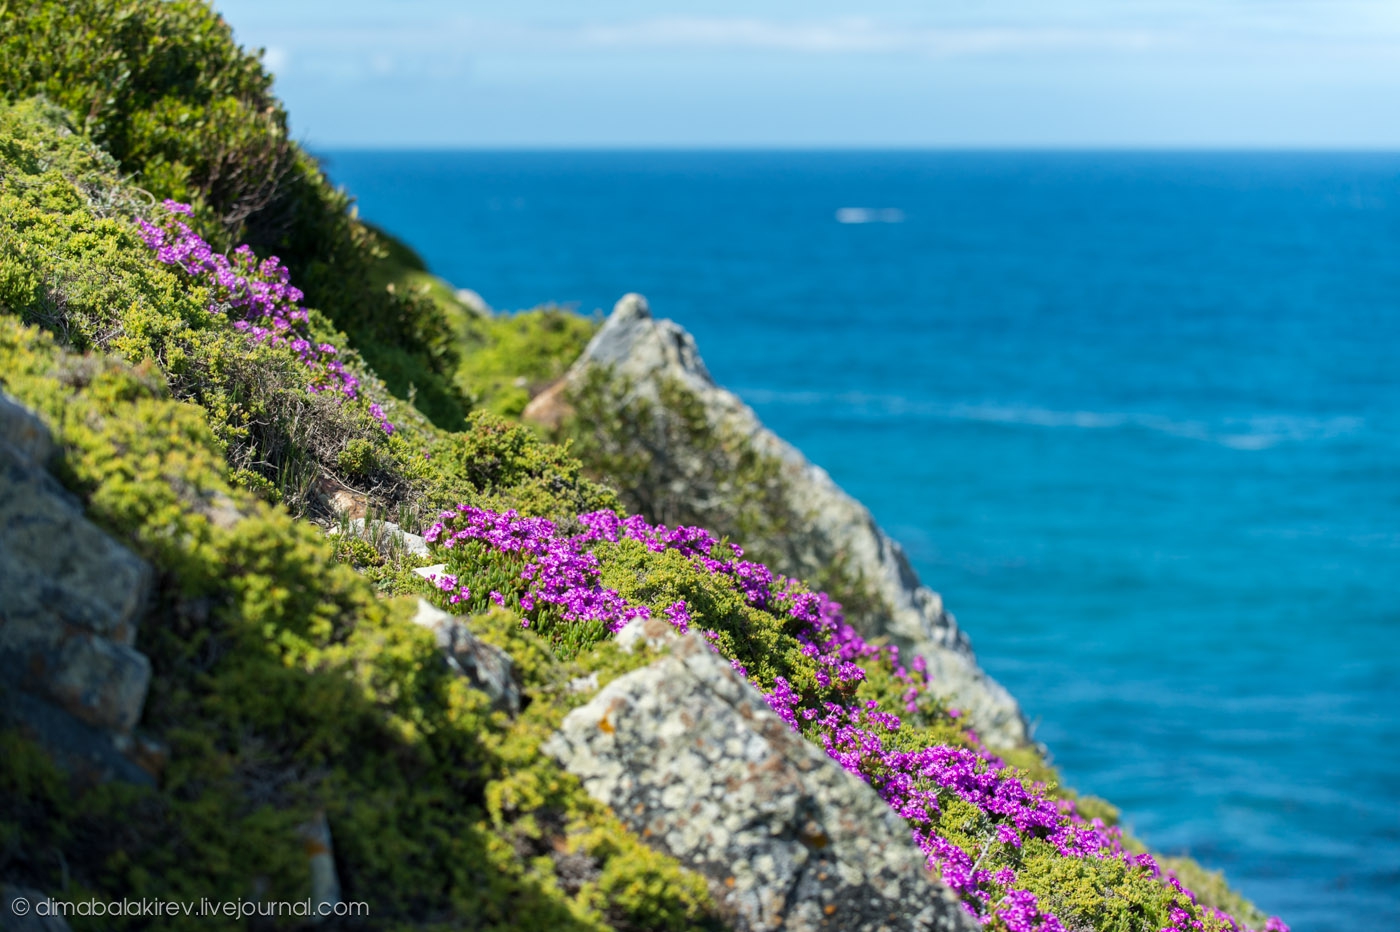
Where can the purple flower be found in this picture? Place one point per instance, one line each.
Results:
(679, 616)
(251, 291)
(562, 574)
(1021, 912)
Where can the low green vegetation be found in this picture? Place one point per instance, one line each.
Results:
(510, 358)
(283, 682)
(164, 90)
(288, 677)
(667, 462)
(505, 359)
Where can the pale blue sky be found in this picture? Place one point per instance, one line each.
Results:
(882, 73)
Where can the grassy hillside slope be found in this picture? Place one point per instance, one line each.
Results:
(288, 678)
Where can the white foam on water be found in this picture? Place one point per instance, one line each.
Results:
(869, 215)
(1237, 433)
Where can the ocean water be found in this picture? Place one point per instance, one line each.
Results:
(1136, 416)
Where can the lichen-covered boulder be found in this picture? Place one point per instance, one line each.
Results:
(824, 524)
(689, 755)
(652, 633)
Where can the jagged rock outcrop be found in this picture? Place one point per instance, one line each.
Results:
(691, 758)
(70, 598)
(827, 524)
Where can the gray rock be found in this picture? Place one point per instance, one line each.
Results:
(88, 752)
(832, 525)
(72, 594)
(57, 567)
(23, 916)
(386, 536)
(691, 758)
(23, 432)
(223, 512)
(100, 682)
(320, 852)
(652, 633)
(489, 668)
(473, 302)
(70, 598)
(584, 684)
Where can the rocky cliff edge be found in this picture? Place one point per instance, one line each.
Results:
(644, 354)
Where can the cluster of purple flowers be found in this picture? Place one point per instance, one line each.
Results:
(258, 296)
(563, 571)
(1020, 911)
(557, 571)
(457, 591)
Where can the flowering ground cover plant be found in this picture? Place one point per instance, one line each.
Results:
(1008, 846)
(257, 295)
(1001, 841)
(283, 681)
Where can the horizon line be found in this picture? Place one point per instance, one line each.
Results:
(837, 148)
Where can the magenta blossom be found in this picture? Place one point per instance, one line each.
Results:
(258, 297)
(563, 572)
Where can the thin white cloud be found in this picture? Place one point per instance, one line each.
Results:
(851, 35)
(447, 46)
(829, 36)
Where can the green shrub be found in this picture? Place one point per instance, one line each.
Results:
(283, 685)
(164, 89)
(507, 359)
(72, 262)
(495, 463)
(1212, 889)
(285, 681)
(358, 457)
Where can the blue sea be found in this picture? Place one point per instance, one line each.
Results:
(1135, 415)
